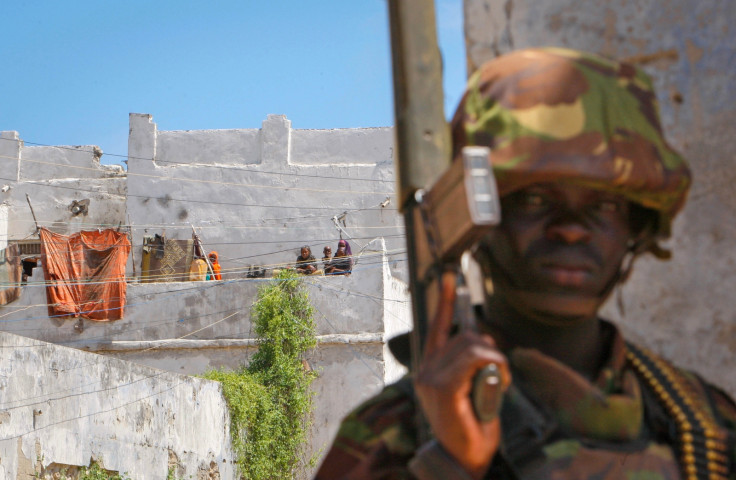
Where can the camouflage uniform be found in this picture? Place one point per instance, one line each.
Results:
(555, 424)
(560, 116)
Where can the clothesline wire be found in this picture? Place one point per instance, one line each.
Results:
(366, 259)
(11, 310)
(193, 317)
(274, 252)
(4, 404)
(233, 167)
(77, 417)
(235, 259)
(188, 226)
(177, 322)
(210, 182)
(319, 280)
(295, 248)
(316, 243)
(350, 347)
(48, 400)
(176, 292)
(45, 396)
(181, 292)
(693, 196)
(173, 293)
(186, 200)
(268, 172)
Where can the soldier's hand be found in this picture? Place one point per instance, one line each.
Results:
(444, 382)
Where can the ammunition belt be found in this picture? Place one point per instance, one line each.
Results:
(702, 445)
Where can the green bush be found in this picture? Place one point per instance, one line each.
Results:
(96, 472)
(269, 399)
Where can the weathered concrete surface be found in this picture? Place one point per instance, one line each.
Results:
(684, 308)
(258, 195)
(54, 177)
(61, 406)
(4, 212)
(187, 327)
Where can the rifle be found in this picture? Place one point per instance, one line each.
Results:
(462, 204)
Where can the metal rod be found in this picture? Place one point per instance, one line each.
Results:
(32, 213)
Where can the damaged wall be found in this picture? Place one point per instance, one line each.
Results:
(683, 308)
(254, 195)
(191, 327)
(56, 179)
(60, 407)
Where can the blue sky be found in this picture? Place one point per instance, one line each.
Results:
(74, 70)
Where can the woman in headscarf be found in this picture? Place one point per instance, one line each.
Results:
(213, 257)
(343, 259)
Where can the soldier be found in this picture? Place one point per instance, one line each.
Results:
(587, 184)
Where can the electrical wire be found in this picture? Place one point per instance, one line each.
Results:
(150, 276)
(171, 199)
(163, 277)
(188, 226)
(214, 284)
(211, 182)
(233, 167)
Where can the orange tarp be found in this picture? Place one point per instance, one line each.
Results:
(85, 273)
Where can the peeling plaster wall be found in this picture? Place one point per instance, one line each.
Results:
(250, 193)
(181, 327)
(63, 406)
(53, 177)
(684, 308)
(4, 212)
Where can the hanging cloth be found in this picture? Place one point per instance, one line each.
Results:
(85, 273)
(11, 272)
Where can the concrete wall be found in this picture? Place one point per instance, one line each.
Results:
(60, 408)
(53, 178)
(684, 308)
(258, 195)
(4, 212)
(192, 327)
(255, 196)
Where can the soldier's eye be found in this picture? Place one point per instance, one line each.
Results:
(609, 206)
(532, 200)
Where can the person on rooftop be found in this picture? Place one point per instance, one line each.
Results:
(342, 263)
(216, 269)
(327, 260)
(306, 264)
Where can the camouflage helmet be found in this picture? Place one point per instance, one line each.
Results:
(559, 115)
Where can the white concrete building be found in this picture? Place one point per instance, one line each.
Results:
(255, 196)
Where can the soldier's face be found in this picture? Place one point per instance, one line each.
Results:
(565, 239)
